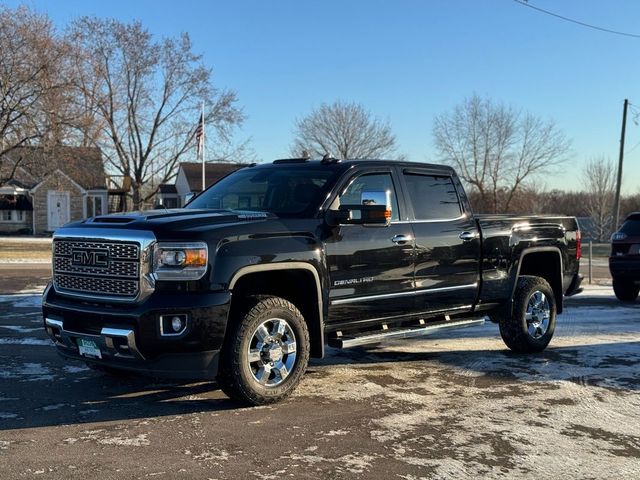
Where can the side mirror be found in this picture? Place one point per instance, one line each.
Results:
(374, 210)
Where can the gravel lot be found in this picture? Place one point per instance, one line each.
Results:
(449, 406)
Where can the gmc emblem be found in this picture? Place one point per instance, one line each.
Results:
(90, 258)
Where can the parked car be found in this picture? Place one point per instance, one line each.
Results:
(624, 262)
(263, 269)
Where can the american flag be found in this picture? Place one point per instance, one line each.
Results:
(200, 134)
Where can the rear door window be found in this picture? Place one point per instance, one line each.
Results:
(434, 197)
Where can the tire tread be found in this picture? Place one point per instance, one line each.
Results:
(229, 377)
(512, 329)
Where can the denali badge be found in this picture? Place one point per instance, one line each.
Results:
(90, 258)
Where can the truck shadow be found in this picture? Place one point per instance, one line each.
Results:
(50, 395)
(606, 365)
(59, 395)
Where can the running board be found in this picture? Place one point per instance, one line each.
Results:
(375, 337)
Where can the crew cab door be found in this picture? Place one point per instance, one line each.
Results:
(370, 267)
(447, 252)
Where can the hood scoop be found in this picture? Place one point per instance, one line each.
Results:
(113, 219)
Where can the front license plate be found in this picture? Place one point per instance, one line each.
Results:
(88, 348)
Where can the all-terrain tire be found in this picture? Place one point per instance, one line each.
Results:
(625, 291)
(530, 327)
(240, 367)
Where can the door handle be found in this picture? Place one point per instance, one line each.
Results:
(468, 236)
(401, 239)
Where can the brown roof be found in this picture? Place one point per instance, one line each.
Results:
(212, 173)
(82, 164)
(167, 188)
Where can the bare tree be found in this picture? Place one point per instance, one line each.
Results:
(147, 95)
(31, 84)
(496, 148)
(343, 130)
(599, 181)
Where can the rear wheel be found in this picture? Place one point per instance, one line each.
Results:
(626, 291)
(531, 325)
(266, 352)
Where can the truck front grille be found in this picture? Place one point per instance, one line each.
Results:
(96, 268)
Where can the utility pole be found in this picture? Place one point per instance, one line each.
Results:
(616, 207)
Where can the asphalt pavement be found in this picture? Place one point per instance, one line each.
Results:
(456, 405)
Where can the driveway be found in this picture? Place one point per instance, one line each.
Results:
(449, 406)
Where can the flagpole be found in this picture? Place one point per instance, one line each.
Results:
(203, 140)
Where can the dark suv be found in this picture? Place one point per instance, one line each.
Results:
(624, 262)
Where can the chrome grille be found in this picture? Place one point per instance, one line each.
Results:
(116, 274)
(123, 251)
(115, 269)
(99, 286)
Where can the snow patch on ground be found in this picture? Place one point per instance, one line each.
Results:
(20, 329)
(137, 441)
(100, 436)
(25, 341)
(218, 455)
(30, 372)
(23, 300)
(74, 369)
(55, 406)
(353, 463)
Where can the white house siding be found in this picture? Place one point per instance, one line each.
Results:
(40, 194)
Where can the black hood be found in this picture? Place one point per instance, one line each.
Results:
(175, 219)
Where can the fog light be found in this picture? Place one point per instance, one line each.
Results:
(177, 324)
(173, 325)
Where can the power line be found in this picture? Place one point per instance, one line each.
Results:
(636, 113)
(632, 148)
(577, 22)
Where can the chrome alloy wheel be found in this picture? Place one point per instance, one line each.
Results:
(272, 352)
(538, 314)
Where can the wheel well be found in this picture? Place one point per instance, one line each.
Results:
(548, 266)
(297, 286)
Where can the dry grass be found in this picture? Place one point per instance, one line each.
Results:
(25, 250)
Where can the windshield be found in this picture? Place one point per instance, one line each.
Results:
(286, 191)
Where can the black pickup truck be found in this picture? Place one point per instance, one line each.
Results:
(273, 262)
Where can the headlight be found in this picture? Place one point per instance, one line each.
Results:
(180, 260)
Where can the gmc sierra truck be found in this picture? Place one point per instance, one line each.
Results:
(275, 261)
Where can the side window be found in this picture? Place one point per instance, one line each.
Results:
(433, 197)
(368, 182)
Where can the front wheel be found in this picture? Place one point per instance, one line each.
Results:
(625, 291)
(531, 325)
(266, 352)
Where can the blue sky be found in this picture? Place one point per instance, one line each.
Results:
(407, 61)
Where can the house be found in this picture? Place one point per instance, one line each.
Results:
(189, 182)
(50, 187)
(15, 208)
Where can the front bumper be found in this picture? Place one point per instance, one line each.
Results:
(129, 337)
(625, 268)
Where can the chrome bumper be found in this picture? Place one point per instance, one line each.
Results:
(114, 342)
